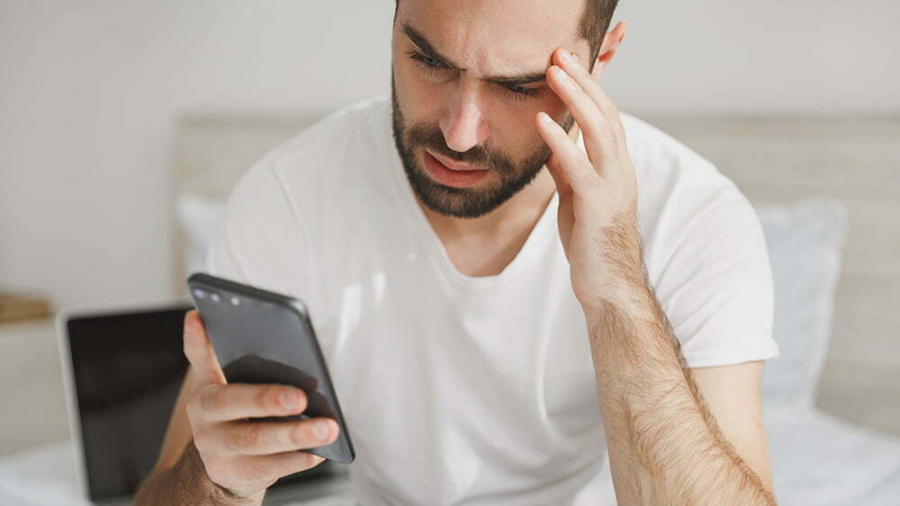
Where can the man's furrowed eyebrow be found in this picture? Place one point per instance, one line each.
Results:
(535, 77)
(518, 80)
(426, 47)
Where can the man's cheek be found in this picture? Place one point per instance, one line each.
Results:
(410, 89)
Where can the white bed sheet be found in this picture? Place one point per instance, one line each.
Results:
(821, 460)
(817, 459)
(45, 476)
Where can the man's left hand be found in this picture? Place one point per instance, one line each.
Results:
(598, 219)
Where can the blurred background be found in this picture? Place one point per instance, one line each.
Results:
(110, 113)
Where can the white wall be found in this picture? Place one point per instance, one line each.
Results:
(797, 56)
(90, 90)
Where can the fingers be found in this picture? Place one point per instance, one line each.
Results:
(586, 113)
(290, 463)
(248, 475)
(265, 438)
(269, 468)
(559, 177)
(571, 167)
(205, 366)
(593, 110)
(572, 65)
(238, 401)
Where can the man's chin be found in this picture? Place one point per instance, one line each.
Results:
(468, 202)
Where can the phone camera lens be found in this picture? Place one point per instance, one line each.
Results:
(236, 301)
(215, 297)
(199, 293)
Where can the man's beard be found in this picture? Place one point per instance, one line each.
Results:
(461, 202)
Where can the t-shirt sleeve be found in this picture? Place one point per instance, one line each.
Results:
(261, 240)
(716, 286)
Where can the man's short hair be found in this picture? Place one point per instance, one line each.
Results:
(595, 22)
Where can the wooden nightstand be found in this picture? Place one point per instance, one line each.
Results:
(32, 399)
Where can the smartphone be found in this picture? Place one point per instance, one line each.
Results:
(266, 337)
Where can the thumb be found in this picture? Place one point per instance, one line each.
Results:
(200, 353)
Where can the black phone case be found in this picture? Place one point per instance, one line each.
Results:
(266, 337)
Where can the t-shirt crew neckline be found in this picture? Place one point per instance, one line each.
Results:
(419, 222)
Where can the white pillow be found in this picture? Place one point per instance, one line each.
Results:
(805, 242)
(197, 218)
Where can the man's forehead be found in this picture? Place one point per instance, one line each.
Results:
(496, 36)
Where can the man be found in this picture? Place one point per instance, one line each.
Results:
(510, 281)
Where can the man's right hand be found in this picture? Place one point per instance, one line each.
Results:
(241, 456)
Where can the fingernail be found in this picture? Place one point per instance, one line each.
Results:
(545, 118)
(566, 57)
(288, 400)
(321, 430)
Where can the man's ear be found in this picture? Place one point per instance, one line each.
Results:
(611, 42)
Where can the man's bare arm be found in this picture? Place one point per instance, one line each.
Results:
(665, 447)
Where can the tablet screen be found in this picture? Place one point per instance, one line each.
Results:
(128, 369)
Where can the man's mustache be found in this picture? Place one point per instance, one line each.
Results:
(433, 139)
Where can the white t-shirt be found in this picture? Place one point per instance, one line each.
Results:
(480, 390)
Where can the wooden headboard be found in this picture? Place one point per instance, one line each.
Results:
(772, 159)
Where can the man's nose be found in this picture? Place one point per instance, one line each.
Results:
(464, 125)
